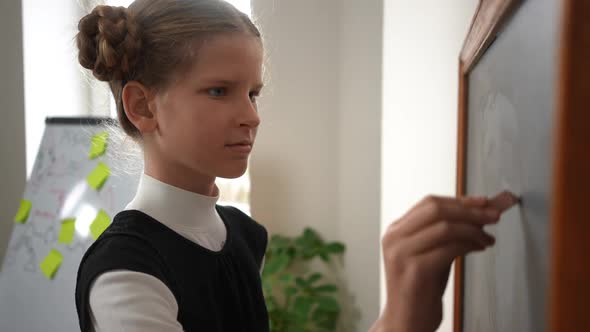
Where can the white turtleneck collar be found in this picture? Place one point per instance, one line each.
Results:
(190, 214)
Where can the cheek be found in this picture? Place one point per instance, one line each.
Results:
(194, 124)
(204, 131)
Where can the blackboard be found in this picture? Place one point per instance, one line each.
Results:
(524, 126)
(510, 111)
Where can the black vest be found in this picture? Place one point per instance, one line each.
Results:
(215, 291)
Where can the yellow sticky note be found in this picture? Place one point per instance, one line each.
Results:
(68, 226)
(51, 263)
(98, 145)
(23, 211)
(98, 176)
(100, 223)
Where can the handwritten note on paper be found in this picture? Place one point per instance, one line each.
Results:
(66, 234)
(51, 264)
(98, 145)
(100, 223)
(98, 176)
(23, 211)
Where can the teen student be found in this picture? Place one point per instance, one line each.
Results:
(185, 75)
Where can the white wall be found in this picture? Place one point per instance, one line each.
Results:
(422, 40)
(316, 162)
(334, 138)
(41, 77)
(359, 139)
(55, 84)
(12, 135)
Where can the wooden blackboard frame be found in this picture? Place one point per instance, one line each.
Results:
(569, 291)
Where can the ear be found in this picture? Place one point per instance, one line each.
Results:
(136, 102)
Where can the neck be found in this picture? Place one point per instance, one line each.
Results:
(174, 206)
(181, 177)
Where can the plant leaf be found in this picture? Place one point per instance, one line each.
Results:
(326, 289)
(302, 242)
(296, 329)
(302, 307)
(297, 305)
(270, 304)
(335, 248)
(286, 278)
(310, 235)
(290, 291)
(276, 264)
(325, 319)
(313, 278)
(300, 282)
(329, 304)
(278, 241)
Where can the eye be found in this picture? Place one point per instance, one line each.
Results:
(217, 92)
(254, 95)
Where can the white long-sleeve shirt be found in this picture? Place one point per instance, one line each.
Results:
(123, 300)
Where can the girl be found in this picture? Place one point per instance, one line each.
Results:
(185, 75)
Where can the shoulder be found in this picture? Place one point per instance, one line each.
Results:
(126, 240)
(124, 245)
(117, 249)
(121, 250)
(241, 220)
(254, 234)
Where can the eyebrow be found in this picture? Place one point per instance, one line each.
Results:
(259, 86)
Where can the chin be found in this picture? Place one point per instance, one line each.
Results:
(233, 172)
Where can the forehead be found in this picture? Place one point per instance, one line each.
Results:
(235, 56)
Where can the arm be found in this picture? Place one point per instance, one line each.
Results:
(129, 301)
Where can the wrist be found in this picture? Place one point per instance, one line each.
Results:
(386, 322)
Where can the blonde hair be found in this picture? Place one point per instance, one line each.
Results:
(151, 41)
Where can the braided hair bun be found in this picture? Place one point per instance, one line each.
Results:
(109, 43)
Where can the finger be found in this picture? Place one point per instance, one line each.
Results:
(504, 201)
(474, 201)
(441, 258)
(434, 209)
(443, 234)
(429, 268)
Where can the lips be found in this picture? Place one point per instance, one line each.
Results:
(242, 142)
(244, 146)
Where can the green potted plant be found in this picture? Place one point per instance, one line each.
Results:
(299, 300)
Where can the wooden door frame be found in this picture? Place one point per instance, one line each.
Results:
(570, 217)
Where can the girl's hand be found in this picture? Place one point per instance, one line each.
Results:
(418, 251)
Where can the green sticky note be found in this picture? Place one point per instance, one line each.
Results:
(98, 176)
(100, 223)
(51, 263)
(98, 145)
(23, 211)
(66, 235)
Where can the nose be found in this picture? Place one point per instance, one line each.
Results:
(249, 114)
